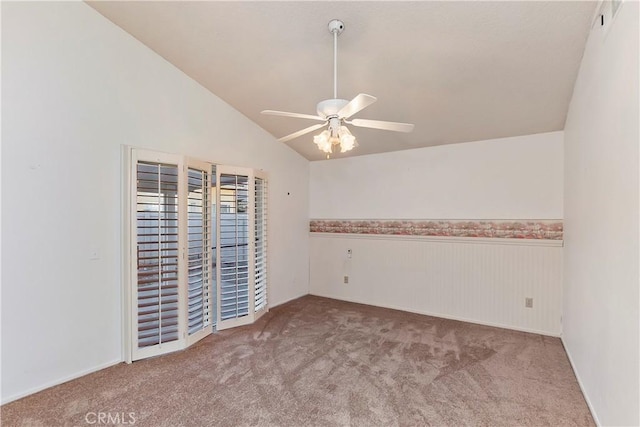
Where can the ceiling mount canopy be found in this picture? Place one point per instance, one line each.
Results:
(334, 112)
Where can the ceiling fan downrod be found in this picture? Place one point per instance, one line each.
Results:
(336, 27)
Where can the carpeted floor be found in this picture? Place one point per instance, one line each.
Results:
(321, 362)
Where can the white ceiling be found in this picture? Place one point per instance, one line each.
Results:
(461, 71)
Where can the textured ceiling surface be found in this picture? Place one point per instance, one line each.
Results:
(460, 71)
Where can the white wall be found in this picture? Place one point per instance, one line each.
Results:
(601, 222)
(76, 87)
(479, 280)
(508, 178)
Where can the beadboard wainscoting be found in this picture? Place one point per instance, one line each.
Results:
(475, 279)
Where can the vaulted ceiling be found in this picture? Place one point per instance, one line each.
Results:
(460, 71)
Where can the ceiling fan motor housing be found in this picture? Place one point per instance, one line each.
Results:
(330, 107)
(334, 127)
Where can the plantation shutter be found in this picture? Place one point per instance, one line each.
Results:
(260, 246)
(199, 276)
(157, 256)
(235, 291)
(213, 195)
(195, 250)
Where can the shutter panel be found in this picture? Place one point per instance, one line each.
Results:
(157, 253)
(214, 247)
(235, 293)
(233, 249)
(260, 246)
(199, 286)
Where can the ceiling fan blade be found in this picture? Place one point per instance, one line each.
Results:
(360, 102)
(295, 115)
(378, 124)
(300, 132)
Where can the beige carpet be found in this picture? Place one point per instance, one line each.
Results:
(321, 362)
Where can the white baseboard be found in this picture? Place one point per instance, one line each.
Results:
(584, 393)
(59, 381)
(446, 316)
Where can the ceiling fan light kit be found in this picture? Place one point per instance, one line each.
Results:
(335, 112)
(326, 140)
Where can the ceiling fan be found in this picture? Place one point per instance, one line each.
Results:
(335, 112)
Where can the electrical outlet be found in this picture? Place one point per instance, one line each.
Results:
(346, 279)
(528, 302)
(348, 253)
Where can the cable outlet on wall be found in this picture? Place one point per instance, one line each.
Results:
(346, 279)
(528, 302)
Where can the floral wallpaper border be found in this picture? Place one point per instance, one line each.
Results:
(503, 229)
